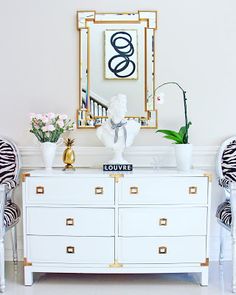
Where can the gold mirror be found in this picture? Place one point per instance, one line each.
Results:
(117, 55)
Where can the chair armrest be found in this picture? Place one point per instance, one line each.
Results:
(3, 196)
(233, 207)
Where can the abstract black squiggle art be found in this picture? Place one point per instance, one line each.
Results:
(121, 62)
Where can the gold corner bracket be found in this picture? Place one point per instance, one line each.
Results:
(117, 177)
(209, 175)
(206, 263)
(26, 262)
(116, 264)
(24, 175)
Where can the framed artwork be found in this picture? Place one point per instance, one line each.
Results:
(121, 54)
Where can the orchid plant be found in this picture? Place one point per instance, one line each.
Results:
(180, 136)
(49, 127)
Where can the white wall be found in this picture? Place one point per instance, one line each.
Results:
(196, 46)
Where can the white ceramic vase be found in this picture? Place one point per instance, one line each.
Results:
(48, 153)
(183, 154)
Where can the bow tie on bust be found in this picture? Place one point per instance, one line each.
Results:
(117, 127)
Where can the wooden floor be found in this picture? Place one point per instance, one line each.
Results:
(158, 284)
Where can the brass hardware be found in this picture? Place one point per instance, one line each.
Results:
(162, 221)
(117, 177)
(206, 263)
(98, 190)
(192, 190)
(26, 262)
(133, 190)
(162, 250)
(70, 250)
(39, 190)
(116, 264)
(24, 175)
(70, 221)
(209, 175)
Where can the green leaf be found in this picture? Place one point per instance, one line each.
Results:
(177, 140)
(171, 133)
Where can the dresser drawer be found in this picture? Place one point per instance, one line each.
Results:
(70, 249)
(162, 250)
(70, 221)
(65, 190)
(163, 190)
(162, 221)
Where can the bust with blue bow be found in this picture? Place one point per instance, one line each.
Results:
(118, 133)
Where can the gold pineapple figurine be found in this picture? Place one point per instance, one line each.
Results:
(69, 154)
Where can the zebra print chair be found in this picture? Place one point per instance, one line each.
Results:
(226, 211)
(9, 211)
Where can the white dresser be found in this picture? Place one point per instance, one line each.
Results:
(91, 222)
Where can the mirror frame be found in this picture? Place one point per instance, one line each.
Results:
(83, 18)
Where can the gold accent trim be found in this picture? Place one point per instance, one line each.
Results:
(163, 221)
(40, 190)
(70, 221)
(116, 264)
(99, 190)
(162, 250)
(24, 175)
(192, 190)
(70, 249)
(133, 190)
(209, 175)
(206, 263)
(117, 177)
(26, 262)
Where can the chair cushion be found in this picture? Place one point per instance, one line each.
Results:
(11, 214)
(223, 213)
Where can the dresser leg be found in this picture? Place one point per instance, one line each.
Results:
(28, 276)
(204, 277)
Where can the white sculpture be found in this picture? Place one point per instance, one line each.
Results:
(118, 133)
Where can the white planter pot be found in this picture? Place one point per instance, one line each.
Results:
(48, 154)
(183, 154)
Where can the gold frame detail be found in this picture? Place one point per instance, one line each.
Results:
(24, 175)
(26, 262)
(206, 263)
(84, 17)
(209, 175)
(117, 176)
(115, 264)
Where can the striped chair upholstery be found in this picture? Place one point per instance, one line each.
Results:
(11, 214)
(228, 167)
(9, 170)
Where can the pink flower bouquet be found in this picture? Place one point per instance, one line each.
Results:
(49, 127)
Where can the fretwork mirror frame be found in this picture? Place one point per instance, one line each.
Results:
(92, 111)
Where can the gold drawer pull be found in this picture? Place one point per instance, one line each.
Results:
(98, 190)
(70, 221)
(70, 250)
(192, 190)
(133, 190)
(163, 222)
(39, 190)
(162, 250)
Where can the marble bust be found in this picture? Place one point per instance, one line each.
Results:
(118, 133)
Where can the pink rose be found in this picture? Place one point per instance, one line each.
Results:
(60, 123)
(39, 116)
(45, 128)
(51, 116)
(51, 128)
(45, 119)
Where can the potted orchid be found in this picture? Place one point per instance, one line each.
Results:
(48, 128)
(183, 149)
